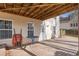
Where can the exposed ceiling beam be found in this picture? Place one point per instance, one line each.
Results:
(52, 9)
(26, 11)
(37, 10)
(13, 6)
(21, 8)
(45, 9)
(42, 10)
(62, 10)
(27, 7)
(22, 15)
(32, 12)
(70, 6)
(5, 6)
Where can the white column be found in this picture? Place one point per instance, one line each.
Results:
(57, 27)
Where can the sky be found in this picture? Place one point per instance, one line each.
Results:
(65, 15)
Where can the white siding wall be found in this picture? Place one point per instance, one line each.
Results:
(20, 22)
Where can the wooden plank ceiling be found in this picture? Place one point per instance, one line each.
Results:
(40, 11)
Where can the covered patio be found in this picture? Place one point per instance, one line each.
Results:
(22, 15)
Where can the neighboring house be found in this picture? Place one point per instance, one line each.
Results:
(70, 22)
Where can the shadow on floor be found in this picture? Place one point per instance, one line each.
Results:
(60, 53)
(62, 43)
(32, 54)
(71, 51)
(25, 45)
(66, 41)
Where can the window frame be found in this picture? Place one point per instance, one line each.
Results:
(29, 29)
(76, 24)
(7, 29)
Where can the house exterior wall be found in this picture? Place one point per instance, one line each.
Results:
(73, 20)
(18, 23)
(65, 25)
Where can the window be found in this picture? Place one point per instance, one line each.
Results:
(71, 25)
(5, 29)
(76, 24)
(30, 27)
(30, 30)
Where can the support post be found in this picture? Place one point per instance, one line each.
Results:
(60, 33)
(78, 31)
